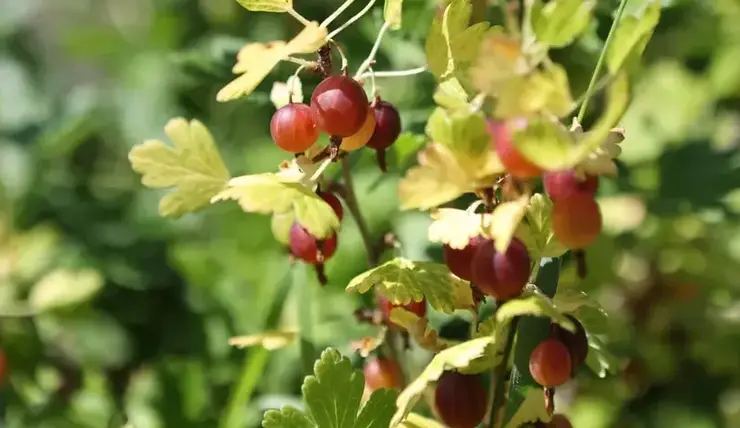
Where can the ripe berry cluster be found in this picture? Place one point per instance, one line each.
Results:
(556, 359)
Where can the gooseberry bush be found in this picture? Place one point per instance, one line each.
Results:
(505, 129)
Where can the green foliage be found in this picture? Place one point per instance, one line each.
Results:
(559, 22)
(267, 5)
(401, 281)
(631, 37)
(332, 398)
(392, 13)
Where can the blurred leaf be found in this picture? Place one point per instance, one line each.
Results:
(269, 194)
(267, 5)
(281, 224)
(570, 300)
(414, 420)
(632, 36)
(455, 227)
(62, 288)
(545, 143)
(270, 340)
(368, 344)
(532, 302)
(536, 232)
(559, 22)
(456, 357)
(504, 222)
(419, 329)
(462, 131)
(443, 176)
(256, 60)
(193, 167)
(286, 417)
(452, 45)
(599, 359)
(533, 409)
(401, 281)
(392, 13)
(622, 214)
(500, 61)
(541, 91)
(333, 396)
(285, 93)
(451, 95)
(601, 161)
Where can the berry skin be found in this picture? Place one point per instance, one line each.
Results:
(550, 363)
(559, 421)
(564, 184)
(576, 342)
(362, 136)
(576, 221)
(308, 248)
(339, 106)
(516, 164)
(418, 308)
(460, 261)
(501, 275)
(387, 130)
(333, 202)
(293, 128)
(461, 400)
(382, 372)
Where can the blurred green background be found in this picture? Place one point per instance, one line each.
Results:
(132, 312)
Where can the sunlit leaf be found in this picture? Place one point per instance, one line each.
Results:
(532, 302)
(504, 222)
(599, 359)
(571, 300)
(543, 91)
(193, 167)
(419, 329)
(392, 13)
(256, 61)
(452, 45)
(546, 143)
(500, 60)
(456, 357)
(451, 95)
(533, 409)
(600, 161)
(401, 281)
(269, 194)
(462, 131)
(280, 225)
(63, 288)
(455, 227)
(284, 93)
(536, 232)
(267, 5)
(269, 340)
(442, 176)
(559, 22)
(632, 36)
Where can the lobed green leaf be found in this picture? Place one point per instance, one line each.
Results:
(559, 22)
(632, 36)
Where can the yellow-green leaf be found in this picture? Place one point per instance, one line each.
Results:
(504, 222)
(462, 131)
(500, 61)
(256, 60)
(280, 225)
(401, 281)
(532, 302)
(546, 143)
(443, 176)
(559, 22)
(193, 167)
(544, 91)
(418, 328)
(536, 233)
(414, 420)
(456, 357)
(269, 194)
(455, 227)
(287, 92)
(392, 13)
(269, 340)
(451, 95)
(63, 288)
(632, 36)
(533, 409)
(451, 45)
(267, 5)
(599, 359)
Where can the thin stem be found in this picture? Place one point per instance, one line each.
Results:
(351, 21)
(354, 208)
(341, 54)
(374, 51)
(602, 83)
(500, 373)
(600, 62)
(373, 86)
(336, 13)
(301, 62)
(298, 17)
(395, 73)
(316, 175)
